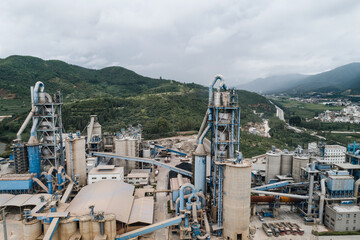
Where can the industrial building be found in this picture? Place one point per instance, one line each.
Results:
(342, 217)
(138, 177)
(78, 180)
(105, 172)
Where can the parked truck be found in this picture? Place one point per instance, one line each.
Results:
(267, 230)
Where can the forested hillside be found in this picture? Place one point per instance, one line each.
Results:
(118, 96)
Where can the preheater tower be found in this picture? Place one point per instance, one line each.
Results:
(223, 124)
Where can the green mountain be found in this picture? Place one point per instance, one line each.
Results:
(118, 96)
(272, 83)
(17, 73)
(340, 79)
(344, 80)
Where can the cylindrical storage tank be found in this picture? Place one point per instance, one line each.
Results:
(286, 163)
(146, 153)
(75, 158)
(217, 97)
(132, 152)
(120, 149)
(67, 228)
(273, 165)
(42, 98)
(32, 229)
(34, 156)
(226, 98)
(56, 233)
(95, 225)
(110, 226)
(200, 169)
(236, 200)
(85, 228)
(298, 163)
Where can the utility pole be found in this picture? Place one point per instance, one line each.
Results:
(4, 223)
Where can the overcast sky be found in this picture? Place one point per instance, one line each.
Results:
(188, 41)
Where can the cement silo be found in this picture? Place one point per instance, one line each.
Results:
(32, 229)
(236, 200)
(127, 147)
(273, 165)
(75, 158)
(298, 163)
(286, 163)
(67, 228)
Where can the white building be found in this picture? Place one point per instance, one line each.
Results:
(138, 177)
(105, 172)
(334, 153)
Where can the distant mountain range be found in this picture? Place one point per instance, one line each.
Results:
(341, 80)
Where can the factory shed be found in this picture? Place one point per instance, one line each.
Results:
(108, 196)
(142, 211)
(17, 200)
(5, 198)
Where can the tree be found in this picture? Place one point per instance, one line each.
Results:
(295, 120)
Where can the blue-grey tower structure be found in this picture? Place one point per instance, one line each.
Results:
(222, 122)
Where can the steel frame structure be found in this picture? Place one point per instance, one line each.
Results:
(49, 132)
(231, 128)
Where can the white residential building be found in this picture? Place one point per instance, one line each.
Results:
(334, 153)
(105, 172)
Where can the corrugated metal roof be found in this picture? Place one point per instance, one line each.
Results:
(5, 198)
(109, 196)
(175, 185)
(35, 199)
(18, 200)
(142, 211)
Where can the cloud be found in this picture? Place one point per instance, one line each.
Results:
(186, 40)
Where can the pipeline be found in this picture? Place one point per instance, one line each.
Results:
(207, 227)
(222, 85)
(270, 199)
(202, 125)
(322, 199)
(38, 86)
(280, 194)
(40, 184)
(182, 189)
(202, 136)
(199, 194)
(26, 122)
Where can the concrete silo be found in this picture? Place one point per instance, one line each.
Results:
(273, 165)
(75, 158)
(286, 163)
(298, 163)
(236, 200)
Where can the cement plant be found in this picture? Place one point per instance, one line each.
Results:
(116, 185)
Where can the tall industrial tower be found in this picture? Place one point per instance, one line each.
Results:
(224, 117)
(223, 123)
(49, 128)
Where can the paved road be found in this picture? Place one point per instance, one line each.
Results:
(279, 112)
(339, 237)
